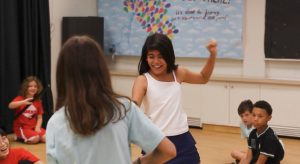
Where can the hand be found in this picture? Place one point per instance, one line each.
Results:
(212, 47)
(28, 101)
(37, 129)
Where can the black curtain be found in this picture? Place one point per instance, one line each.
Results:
(282, 30)
(24, 51)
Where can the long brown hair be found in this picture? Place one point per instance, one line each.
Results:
(84, 86)
(25, 83)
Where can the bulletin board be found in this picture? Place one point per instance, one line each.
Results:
(190, 24)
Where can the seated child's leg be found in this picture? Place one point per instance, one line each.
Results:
(42, 135)
(29, 136)
(238, 154)
(33, 140)
(17, 131)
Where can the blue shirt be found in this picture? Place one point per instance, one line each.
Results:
(109, 145)
(245, 131)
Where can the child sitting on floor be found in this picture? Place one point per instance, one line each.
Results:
(15, 155)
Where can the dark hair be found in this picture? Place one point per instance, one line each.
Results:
(2, 132)
(25, 83)
(84, 86)
(264, 105)
(25, 162)
(244, 106)
(161, 43)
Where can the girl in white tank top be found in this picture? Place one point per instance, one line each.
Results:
(158, 87)
(162, 104)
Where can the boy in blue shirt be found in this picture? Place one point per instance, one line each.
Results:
(245, 113)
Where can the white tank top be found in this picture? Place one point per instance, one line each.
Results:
(162, 104)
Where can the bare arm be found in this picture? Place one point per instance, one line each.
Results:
(161, 154)
(39, 123)
(139, 89)
(262, 159)
(39, 162)
(248, 157)
(203, 76)
(16, 104)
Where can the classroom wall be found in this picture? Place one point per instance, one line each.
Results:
(59, 9)
(254, 64)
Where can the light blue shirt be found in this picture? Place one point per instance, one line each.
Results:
(245, 131)
(109, 145)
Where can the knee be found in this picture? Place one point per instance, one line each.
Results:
(33, 140)
(233, 154)
(43, 138)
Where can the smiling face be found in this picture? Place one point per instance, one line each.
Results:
(31, 89)
(156, 62)
(4, 147)
(260, 118)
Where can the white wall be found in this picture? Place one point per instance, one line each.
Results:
(254, 64)
(59, 9)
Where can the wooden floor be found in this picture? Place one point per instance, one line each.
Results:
(214, 144)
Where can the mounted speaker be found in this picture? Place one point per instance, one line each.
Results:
(91, 26)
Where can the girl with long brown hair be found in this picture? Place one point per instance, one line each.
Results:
(92, 123)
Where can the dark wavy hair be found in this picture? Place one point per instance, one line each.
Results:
(2, 132)
(84, 87)
(161, 43)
